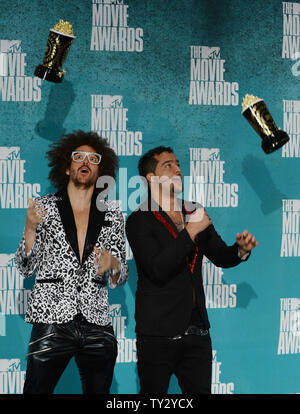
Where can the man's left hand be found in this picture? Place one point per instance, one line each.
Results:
(246, 242)
(104, 261)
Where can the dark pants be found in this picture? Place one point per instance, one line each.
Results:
(53, 345)
(189, 358)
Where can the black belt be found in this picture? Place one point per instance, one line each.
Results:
(79, 317)
(191, 330)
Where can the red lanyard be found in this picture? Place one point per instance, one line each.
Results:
(168, 226)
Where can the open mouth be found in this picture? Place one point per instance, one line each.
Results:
(84, 170)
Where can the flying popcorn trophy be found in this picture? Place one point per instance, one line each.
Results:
(256, 112)
(59, 41)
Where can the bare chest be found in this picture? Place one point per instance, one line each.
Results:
(177, 219)
(81, 221)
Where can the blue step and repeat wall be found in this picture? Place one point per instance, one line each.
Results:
(144, 73)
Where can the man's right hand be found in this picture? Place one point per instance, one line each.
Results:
(34, 216)
(197, 222)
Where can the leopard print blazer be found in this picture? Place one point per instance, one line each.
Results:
(64, 286)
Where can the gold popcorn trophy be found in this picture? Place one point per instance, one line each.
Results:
(59, 42)
(256, 112)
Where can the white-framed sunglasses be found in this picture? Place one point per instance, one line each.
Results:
(79, 156)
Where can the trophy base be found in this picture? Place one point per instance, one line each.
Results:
(49, 74)
(274, 141)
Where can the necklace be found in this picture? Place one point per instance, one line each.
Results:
(181, 223)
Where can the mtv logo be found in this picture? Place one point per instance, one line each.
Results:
(296, 105)
(115, 310)
(114, 101)
(210, 154)
(210, 52)
(9, 365)
(296, 205)
(7, 259)
(295, 303)
(9, 153)
(10, 46)
(296, 8)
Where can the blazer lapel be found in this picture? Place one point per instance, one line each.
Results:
(67, 218)
(158, 208)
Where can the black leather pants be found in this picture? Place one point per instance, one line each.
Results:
(52, 346)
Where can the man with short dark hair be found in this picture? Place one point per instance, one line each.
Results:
(168, 241)
(75, 249)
